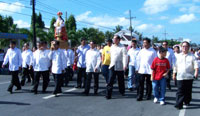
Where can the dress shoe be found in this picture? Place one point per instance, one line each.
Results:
(10, 90)
(178, 107)
(85, 93)
(77, 86)
(148, 98)
(108, 97)
(130, 89)
(18, 89)
(139, 99)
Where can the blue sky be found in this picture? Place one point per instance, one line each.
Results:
(180, 18)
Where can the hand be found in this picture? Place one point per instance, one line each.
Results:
(20, 68)
(3, 66)
(63, 71)
(174, 76)
(165, 75)
(125, 68)
(152, 78)
(196, 75)
(95, 70)
(30, 67)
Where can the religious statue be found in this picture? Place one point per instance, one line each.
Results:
(60, 31)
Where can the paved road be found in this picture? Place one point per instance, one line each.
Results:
(73, 103)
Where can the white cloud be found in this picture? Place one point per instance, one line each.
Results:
(164, 18)
(149, 28)
(14, 7)
(191, 9)
(156, 6)
(183, 19)
(22, 24)
(105, 20)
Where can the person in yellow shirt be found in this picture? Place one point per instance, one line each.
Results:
(106, 60)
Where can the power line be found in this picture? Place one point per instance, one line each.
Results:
(21, 13)
(81, 3)
(27, 7)
(16, 12)
(48, 6)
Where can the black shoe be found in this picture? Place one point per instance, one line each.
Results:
(108, 97)
(28, 81)
(77, 86)
(148, 98)
(22, 83)
(56, 94)
(18, 89)
(187, 104)
(10, 90)
(95, 93)
(34, 91)
(85, 93)
(178, 107)
(43, 91)
(139, 99)
(130, 89)
(83, 86)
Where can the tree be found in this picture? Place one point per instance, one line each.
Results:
(71, 23)
(6, 26)
(155, 39)
(39, 22)
(109, 35)
(118, 28)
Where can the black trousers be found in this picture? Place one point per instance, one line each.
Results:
(169, 79)
(58, 83)
(45, 76)
(14, 80)
(140, 90)
(27, 73)
(112, 76)
(184, 92)
(81, 73)
(67, 75)
(88, 82)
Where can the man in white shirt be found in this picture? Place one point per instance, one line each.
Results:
(143, 67)
(186, 67)
(57, 57)
(69, 54)
(80, 58)
(14, 57)
(27, 56)
(117, 66)
(93, 61)
(176, 52)
(132, 55)
(40, 65)
(171, 57)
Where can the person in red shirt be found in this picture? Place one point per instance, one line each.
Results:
(160, 68)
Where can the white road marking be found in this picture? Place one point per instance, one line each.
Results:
(50, 96)
(4, 83)
(182, 112)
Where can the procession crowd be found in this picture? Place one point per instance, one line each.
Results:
(154, 66)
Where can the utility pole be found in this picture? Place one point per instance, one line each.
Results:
(165, 34)
(130, 18)
(33, 24)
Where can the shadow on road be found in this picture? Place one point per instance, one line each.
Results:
(16, 103)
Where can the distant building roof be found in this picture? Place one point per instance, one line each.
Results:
(126, 36)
